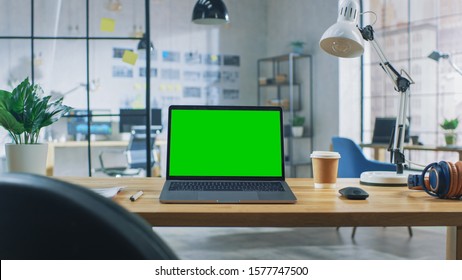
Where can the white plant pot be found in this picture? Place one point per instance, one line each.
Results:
(27, 158)
(297, 131)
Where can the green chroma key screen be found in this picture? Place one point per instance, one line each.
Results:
(225, 142)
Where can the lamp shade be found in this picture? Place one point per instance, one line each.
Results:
(343, 38)
(143, 44)
(436, 55)
(210, 12)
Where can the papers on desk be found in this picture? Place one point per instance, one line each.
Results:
(109, 192)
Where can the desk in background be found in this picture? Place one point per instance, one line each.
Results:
(71, 158)
(386, 206)
(380, 147)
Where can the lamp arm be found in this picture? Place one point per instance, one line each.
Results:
(400, 82)
(458, 70)
(401, 85)
(74, 89)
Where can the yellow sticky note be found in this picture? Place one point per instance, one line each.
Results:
(214, 57)
(107, 25)
(140, 86)
(178, 87)
(130, 57)
(162, 87)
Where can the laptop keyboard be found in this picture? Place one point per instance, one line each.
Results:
(227, 186)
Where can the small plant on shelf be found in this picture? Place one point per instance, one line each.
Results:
(298, 120)
(297, 125)
(297, 46)
(450, 125)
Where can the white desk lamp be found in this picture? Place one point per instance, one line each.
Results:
(345, 39)
(94, 85)
(436, 55)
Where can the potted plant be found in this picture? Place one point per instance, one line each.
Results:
(297, 126)
(297, 46)
(450, 125)
(23, 113)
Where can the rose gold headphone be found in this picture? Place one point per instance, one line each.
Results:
(444, 180)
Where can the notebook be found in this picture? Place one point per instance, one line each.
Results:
(225, 154)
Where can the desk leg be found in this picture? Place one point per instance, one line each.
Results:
(376, 153)
(454, 243)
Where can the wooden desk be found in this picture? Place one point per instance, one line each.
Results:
(386, 206)
(378, 147)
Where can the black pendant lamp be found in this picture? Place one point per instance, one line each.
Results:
(210, 12)
(143, 44)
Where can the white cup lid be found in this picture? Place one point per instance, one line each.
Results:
(324, 154)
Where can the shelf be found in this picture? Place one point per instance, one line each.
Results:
(302, 137)
(298, 163)
(284, 57)
(286, 81)
(280, 85)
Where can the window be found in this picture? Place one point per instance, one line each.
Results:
(417, 27)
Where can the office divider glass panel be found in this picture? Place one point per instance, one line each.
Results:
(58, 18)
(51, 45)
(117, 75)
(16, 62)
(62, 71)
(117, 18)
(15, 18)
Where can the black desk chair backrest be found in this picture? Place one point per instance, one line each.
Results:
(136, 151)
(44, 218)
(135, 155)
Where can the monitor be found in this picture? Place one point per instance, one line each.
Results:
(77, 122)
(137, 117)
(384, 129)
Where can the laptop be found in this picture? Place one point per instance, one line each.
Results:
(225, 154)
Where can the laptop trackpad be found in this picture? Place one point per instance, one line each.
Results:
(227, 197)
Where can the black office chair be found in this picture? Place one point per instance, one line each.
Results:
(135, 155)
(44, 218)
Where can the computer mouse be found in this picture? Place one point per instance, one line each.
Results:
(354, 193)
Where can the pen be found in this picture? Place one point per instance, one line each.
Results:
(136, 196)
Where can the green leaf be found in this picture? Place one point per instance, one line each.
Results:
(450, 124)
(10, 123)
(26, 110)
(5, 97)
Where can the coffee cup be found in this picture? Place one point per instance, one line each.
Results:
(325, 168)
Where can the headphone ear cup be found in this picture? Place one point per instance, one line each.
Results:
(444, 184)
(432, 181)
(453, 181)
(459, 177)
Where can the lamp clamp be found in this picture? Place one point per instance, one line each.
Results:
(367, 32)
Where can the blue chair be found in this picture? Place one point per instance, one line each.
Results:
(353, 162)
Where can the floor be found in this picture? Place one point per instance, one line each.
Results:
(377, 243)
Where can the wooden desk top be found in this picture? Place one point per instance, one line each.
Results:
(386, 206)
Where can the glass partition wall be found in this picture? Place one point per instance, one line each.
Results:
(87, 53)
